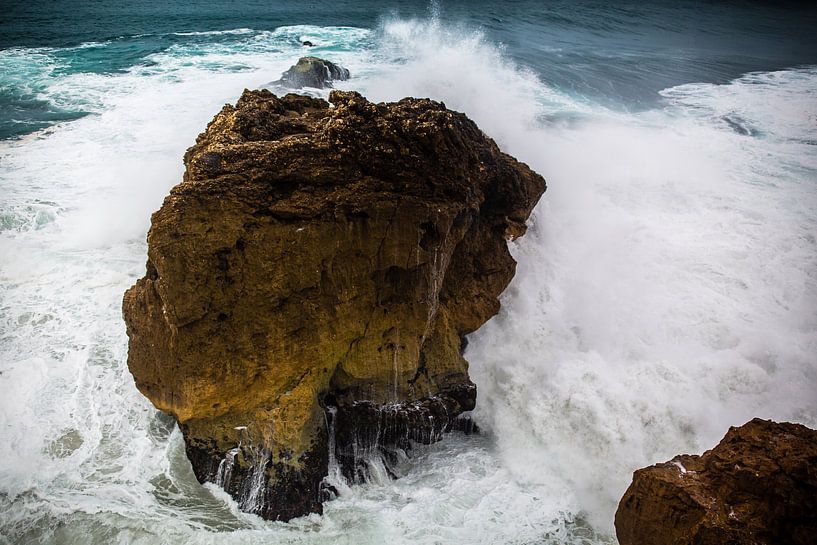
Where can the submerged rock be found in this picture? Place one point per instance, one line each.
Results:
(318, 267)
(758, 486)
(313, 72)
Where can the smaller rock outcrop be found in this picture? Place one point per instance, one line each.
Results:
(313, 72)
(758, 486)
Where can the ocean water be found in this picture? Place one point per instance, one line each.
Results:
(666, 289)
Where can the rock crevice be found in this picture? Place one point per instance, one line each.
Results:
(319, 256)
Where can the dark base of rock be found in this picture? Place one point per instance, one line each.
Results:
(356, 434)
(363, 431)
(274, 491)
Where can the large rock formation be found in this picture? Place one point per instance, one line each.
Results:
(311, 282)
(313, 72)
(758, 486)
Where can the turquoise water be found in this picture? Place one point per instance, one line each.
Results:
(621, 54)
(665, 289)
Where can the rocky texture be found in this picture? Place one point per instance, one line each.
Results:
(310, 282)
(313, 72)
(758, 486)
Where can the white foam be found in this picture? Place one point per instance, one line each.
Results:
(665, 292)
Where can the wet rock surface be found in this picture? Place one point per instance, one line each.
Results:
(319, 260)
(758, 486)
(364, 430)
(312, 72)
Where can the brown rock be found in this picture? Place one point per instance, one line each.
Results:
(758, 486)
(318, 260)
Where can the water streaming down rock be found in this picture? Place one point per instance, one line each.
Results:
(225, 469)
(396, 368)
(367, 435)
(318, 257)
(252, 498)
(334, 476)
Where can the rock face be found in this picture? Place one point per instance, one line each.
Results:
(758, 486)
(310, 284)
(313, 72)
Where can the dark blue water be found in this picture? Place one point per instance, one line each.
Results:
(620, 54)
